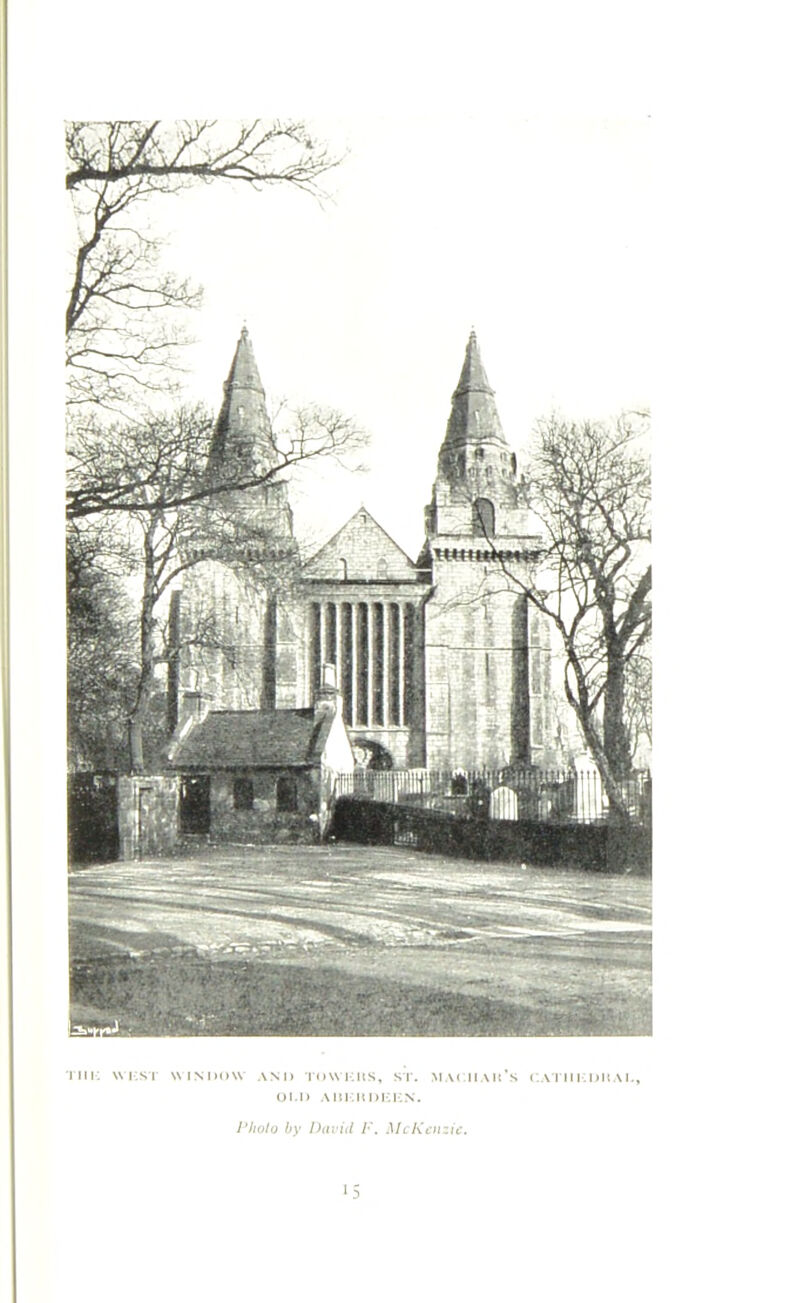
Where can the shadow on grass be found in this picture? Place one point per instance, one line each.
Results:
(192, 996)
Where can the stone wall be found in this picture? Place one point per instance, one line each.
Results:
(229, 672)
(289, 656)
(476, 705)
(361, 550)
(264, 823)
(148, 815)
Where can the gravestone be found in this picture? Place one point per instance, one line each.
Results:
(503, 804)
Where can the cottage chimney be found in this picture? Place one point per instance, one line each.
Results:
(328, 698)
(194, 706)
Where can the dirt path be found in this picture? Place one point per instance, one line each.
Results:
(357, 941)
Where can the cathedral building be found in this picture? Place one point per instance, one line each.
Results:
(439, 662)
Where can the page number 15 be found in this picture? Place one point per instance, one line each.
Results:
(351, 1191)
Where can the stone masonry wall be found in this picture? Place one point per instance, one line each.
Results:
(264, 823)
(148, 815)
(229, 673)
(475, 708)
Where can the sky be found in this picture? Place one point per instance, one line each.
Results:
(534, 232)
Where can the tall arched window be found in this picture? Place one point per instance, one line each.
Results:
(483, 517)
(382, 567)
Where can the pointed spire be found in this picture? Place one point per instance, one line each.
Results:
(474, 459)
(244, 371)
(242, 434)
(473, 416)
(473, 376)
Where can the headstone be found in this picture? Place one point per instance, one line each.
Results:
(503, 804)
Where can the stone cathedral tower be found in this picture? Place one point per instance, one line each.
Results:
(487, 675)
(234, 645)
(440, 662)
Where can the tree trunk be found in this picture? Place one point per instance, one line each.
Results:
(135, 741)
(613, 790)
(616, 744)
(138, 716)
(147, 665)
(580, 704)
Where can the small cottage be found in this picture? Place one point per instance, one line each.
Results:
(262, 775)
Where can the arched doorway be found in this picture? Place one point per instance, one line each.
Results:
(371, 755)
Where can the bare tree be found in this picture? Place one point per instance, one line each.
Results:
(139, 482)
(171, 514)
(124, 317)
(590, 487)
(102, 666)
(639, 701)
(105, 474)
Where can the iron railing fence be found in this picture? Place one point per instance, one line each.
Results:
(540, 795)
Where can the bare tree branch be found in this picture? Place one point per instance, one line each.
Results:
(590, 489)
(126, 316)
(147, 493)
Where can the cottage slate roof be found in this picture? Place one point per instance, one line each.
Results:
(254, 739)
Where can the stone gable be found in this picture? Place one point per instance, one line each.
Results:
(361, 550)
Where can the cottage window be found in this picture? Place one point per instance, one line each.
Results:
(286, 795)
(242, 793)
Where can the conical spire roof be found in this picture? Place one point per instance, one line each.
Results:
(473, 416)
(244, 371)
(475, 459)
(473, 376)
(242, 436)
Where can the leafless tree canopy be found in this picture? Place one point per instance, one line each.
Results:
(161, 462)
(590, 487)
(145, 495)
(102, 659)
(143, 499)
(639, 700)
(124, 321)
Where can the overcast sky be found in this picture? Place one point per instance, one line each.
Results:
(533, 231)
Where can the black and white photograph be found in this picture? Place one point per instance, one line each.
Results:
(397, 885)
(358, 578)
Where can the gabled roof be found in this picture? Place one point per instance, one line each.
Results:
(254, 739)
(361, 544)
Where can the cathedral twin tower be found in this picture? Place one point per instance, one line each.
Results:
(442, 663)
